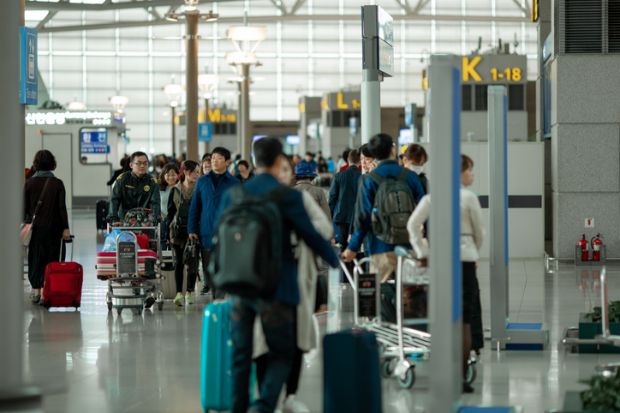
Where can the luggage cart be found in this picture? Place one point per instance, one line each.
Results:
(131, 287)
(401, 346)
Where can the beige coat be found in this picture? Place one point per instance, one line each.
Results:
(307, 272)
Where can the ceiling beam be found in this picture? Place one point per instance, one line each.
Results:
(290, 18)
(520, 7)
(38, 5)
(420, 6)
(297, 6)
(404, 4)
(46, 19)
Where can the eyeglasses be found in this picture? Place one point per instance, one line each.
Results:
(140, 163)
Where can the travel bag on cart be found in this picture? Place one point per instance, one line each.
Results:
(63, 282)
(351, 377)
(102, 213)
(216, 359)
(106, 264)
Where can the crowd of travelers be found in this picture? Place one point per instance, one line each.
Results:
(190, 198)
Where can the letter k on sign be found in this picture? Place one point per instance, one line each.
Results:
(469, 69)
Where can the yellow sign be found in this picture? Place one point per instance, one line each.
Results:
(355, 104)
(469, 68)
(535, 14)
(424, 80)
(340, 101)
(216, 116)
(302, 108)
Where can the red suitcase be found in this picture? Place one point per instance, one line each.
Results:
(63, 284)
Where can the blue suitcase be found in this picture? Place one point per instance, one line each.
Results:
(216, 359)
(351, 376)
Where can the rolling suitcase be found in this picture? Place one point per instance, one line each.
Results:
(63, 283)
(216, 358)
(351, 377)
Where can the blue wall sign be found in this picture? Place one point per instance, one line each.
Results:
(205, 132)
(28, 73)
(94, 141)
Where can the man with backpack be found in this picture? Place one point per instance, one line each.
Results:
(387, 197)
(205, 202)
(253, 261)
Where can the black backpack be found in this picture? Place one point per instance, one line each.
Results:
(392, 207)
(247, 257)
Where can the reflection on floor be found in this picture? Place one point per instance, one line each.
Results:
(98, 362)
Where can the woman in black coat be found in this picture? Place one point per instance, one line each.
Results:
(50, 224)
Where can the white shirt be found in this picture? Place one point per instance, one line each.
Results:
(472, 230)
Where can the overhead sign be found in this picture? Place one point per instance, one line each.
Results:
(494, 69)
(94, 141)
(410, 109)
(377, 40)
(60, 118)
(28, 78)
(341, 101)
(205, 132)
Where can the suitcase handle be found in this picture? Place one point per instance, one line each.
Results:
(63, 243)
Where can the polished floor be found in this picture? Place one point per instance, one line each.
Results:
(95, 361)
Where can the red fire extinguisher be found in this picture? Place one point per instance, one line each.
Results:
(583, 246)
(597, 244)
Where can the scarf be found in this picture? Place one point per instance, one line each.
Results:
(43, 174)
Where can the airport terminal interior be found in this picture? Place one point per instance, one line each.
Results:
(147, 137)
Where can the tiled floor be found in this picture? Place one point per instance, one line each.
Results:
(92, 361)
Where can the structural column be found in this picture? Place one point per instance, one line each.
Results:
(191, 44)
(245, 133)
(498, 211)
(445, 234)
(12, 159)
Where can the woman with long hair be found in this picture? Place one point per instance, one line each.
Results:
(178, 211)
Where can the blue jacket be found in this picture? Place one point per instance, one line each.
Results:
(295, 219)
(365, 199)
(342, 195)
(204, 206)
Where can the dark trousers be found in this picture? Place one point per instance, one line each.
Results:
(278, 322)
(292, 384)
(192, 271)
(44, 248)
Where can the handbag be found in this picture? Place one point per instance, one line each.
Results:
(25, 232)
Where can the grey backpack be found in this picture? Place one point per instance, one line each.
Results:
(392, 207)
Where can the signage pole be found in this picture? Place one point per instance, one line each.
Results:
(445, 259)
(371, 73)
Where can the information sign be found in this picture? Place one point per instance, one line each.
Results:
(367, 295)
(28, 77)
(94, 141)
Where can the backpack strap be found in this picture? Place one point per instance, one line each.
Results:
(376, 177)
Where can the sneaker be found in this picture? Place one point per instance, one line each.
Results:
(292, 405)
(178, 300)
(189, 298)
(35, 298)
(149, 301)
(205, 290)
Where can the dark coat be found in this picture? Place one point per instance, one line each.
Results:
(342, 195)
(52, 215)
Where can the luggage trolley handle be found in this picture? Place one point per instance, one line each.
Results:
(63, 243)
